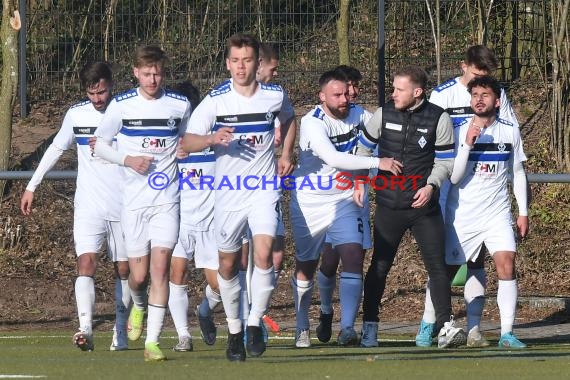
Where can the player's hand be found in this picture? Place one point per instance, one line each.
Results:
(522, 226)
(180, 153)
(223, 136)
(390, 165)
(26, 202)
(358, 195)
(422, 196)
(285, 166)
(474, 131)
(92, 140)
(139, 164)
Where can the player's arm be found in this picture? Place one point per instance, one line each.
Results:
(325, 150)
(61, 142)
(520, 183)
(442, 163)
(285, 164)
(506, 111)
(464, 147)
(104, 134)
(368, 140)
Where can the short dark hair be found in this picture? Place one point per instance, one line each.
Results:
(485, 81)
(352, 73)
(330, 75)
(93, 72)
(190, 91)
(150, 56)
(268, 52)
(416, 74)
(481, 57)
(240, 40)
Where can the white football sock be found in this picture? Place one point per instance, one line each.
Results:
(262, 285)
(140, 298)
(507, 294)
(154, 322)
(230, 294)
(474, 294)
(303, 294)
(178, 305)
(209, 302)
(429, 310)
(85, 299)
(350, 293)
(326, 290)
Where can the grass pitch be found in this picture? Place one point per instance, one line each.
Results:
(51, 355)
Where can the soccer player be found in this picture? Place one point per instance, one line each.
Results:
(195, 241)
(236, 119)
(453, 96)
(268, 62)
(322, 205)
(146, 120)
(330, 259)
(416, 138)
(489, 150)
(97, 205)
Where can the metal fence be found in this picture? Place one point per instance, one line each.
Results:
(63, 36)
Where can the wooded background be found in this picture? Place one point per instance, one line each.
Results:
(529, 37)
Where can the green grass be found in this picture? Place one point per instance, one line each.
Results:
(51, 355)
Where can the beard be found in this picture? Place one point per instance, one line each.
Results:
(339, 113)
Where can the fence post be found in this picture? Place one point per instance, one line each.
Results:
(381, 54)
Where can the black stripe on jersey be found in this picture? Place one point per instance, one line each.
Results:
(84, 130)
(488, 147)
(460, 111)
(369, 138)
(444, 147)
(151, 122)
(341, 139)
(245, 118)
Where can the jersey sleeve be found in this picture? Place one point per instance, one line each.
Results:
(65, 138)
(202, 120)
(325, 150)
(506, 111)
(287, 111)
(438, 98)
(518, 151)
(185, 119)
(110, 123)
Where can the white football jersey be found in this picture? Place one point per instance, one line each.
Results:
(245, 169)
(197, 173)
(482, 194)
(455, 99)
(98, 181)
(313, 176)
(147, 127)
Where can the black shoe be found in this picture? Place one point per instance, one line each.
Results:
(235, 352)
(255, 344)
(324, 329)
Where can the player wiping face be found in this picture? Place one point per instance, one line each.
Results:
(484, 103)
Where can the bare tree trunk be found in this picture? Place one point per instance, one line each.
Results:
(435, 34)
(342, 26)
(109, 19)
(9, 36)
(560, 111)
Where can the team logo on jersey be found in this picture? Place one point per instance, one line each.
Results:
(193, 173)
(422, 142)
(153, 145)
(269, 117)
(171, 123)
(502, 147)
(254, 142)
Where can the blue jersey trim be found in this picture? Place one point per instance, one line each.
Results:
(148, 132)
(246, 128)
(197, 158)
(489, 157)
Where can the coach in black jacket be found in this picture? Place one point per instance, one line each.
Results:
(415, 142)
